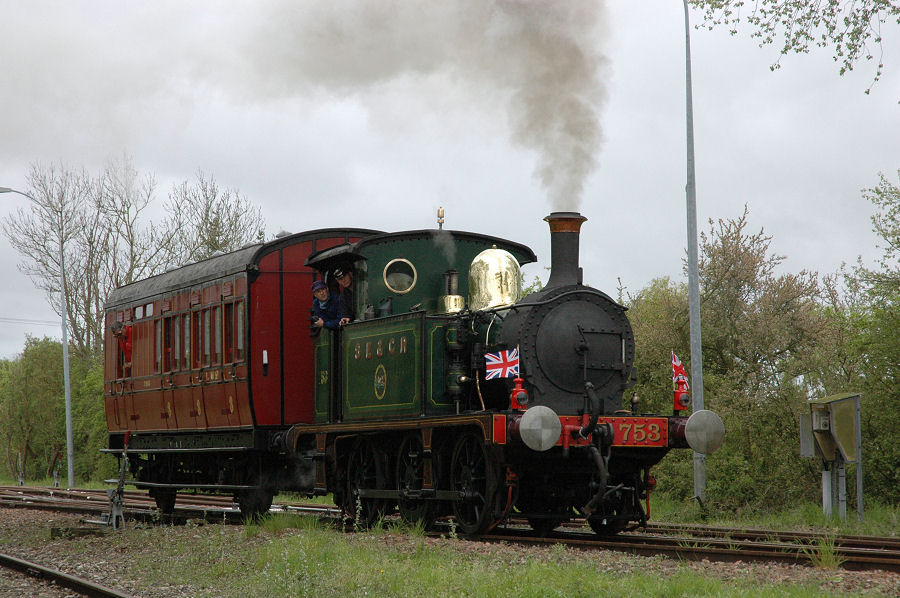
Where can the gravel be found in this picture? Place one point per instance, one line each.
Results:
(27, 534)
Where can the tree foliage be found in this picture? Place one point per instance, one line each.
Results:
(875, 349)
(759, 327)
(32, 413)
(772, 340)
(31, 404)
(852, 28)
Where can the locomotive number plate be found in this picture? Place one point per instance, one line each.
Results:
(639, 431)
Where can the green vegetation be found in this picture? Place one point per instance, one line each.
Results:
(298, 556)
(852, 28)
(772, 340)
(878, 519)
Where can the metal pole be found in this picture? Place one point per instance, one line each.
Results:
(693, 268)
(859, 472)
(70, 443)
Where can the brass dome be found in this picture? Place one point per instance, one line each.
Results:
(495, 279)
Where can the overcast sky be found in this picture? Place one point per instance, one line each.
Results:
(338, 113)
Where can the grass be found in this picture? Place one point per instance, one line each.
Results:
(297, 556)
(292, 555)
(824, 554)
(878, 520)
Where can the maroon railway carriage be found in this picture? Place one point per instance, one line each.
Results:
(220, 364)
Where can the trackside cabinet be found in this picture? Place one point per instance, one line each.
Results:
(832, 433)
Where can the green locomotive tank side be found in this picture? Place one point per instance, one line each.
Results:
(382, 367)
(395, 361)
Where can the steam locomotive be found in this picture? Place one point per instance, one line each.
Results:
(448, 393)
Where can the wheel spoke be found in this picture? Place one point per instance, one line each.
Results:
(473, 475)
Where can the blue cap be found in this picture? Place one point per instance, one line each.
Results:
(318, 285)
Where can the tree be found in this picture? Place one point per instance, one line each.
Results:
(851, 27)
(876, 347)
(759, 328)
(32, 413)
(32, 417)
(659, 318)
(886, 223)
(101, 226)
(48, 233)
(205, 220)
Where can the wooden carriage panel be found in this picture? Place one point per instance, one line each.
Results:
(298, 346)
(265, 342)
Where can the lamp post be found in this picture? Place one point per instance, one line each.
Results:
(693, 268)
(70, 443)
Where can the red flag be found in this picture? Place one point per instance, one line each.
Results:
(680, 397)
(679, 376)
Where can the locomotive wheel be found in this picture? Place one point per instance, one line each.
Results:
(364, 471)
(611, 527)
(254, 503)
(165, 500)
(474, 475)
(411, 477)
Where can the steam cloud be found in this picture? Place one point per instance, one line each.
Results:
(134, 67)
(542, 57)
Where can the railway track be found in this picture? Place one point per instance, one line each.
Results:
(818, 549)
(680, 541)
(77, 584)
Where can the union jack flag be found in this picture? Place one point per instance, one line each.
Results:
(501, 365)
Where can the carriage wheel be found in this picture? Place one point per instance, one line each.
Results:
(254, 503)
(364, 471)
(411, 477)
(165, 500)
(473, 475)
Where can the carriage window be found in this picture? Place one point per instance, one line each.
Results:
(196, 339)
(138, 312)
(239, 332)
(207, 341)
(176, 350)
(217, 332)
(400, 276)
(157, 343)
(186, 328)
(168, 344)
(229, 332)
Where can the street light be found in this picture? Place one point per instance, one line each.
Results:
(693, 268)
(70, 443)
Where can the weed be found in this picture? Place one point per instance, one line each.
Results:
(357, 521)
(824, 553)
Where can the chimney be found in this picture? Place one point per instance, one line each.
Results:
(565, 230)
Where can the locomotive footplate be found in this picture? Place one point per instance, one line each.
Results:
(423, 494)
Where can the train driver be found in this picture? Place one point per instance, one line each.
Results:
(344, 279)
(326, 308)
